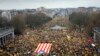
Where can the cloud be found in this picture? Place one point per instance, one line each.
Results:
(21, 4)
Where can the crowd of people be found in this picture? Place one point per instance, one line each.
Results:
(64, 43)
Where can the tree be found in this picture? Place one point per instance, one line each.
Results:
(80, 19)
(3, 22)
(18, 22)
(93, 22)
(36, 19)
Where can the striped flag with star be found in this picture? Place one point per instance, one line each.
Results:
(45, 47)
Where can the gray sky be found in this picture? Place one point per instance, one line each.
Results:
(22, 4)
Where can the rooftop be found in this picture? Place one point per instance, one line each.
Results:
(2, 30)
(97, 29)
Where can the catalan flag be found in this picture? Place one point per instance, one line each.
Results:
(44, 47)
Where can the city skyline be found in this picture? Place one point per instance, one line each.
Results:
(33, 4)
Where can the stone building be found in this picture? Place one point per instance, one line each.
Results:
(97, 35)
(6, 34)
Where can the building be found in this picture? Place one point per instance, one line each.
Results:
(97, 35)
(7, 15)
(57, 27)
(6, 34)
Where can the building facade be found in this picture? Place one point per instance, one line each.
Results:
(6, 35)
(97, 35)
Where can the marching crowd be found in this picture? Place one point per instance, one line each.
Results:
(64, 43)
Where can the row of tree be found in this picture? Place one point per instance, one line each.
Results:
(85, 20)
(21, 21)
(36, 19)
(3, 22)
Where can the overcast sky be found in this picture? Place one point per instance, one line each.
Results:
(29, 4)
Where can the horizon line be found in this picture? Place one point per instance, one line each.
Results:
(49, 8)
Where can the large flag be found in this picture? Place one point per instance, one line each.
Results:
(43, 48)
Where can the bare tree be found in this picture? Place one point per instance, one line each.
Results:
(18, 22)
